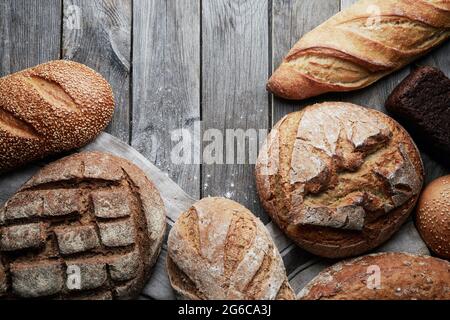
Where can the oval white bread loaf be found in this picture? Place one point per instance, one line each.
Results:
(360, 45)
(51, 108)
(219, 250)
(384, 276)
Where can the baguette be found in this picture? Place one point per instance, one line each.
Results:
(360, 45)
(384, 276)
(54, 107)
(219, 250)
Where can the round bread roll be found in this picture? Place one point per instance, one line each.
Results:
(339, 179)
(382, 276)
(89, 226)
(218, 250)
(433, 216)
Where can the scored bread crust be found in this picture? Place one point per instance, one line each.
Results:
(360, 45)
(382, 276)
(339, 179)
(51, 108)
(218, 250)
(93, 210)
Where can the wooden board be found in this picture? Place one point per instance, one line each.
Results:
(234, 71)
(166, 84)
(177, 201)
(30, 33)
(98, 34)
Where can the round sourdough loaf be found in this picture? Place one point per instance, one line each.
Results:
(339, 179)
(89, 226)
(219, 250)
(433, 216)
(383, 276)
(53, 107)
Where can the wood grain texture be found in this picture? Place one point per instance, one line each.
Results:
(291, 19)
(98, 34)
(166, 83)
(30, 33)
(235, 69)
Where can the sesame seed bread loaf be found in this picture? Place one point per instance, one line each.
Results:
(433, 216)
(51, 108)
(339, 179)
(218, 250)
(89, 226)
(383, 276)
(360, 45)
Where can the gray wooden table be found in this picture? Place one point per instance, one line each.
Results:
(173, 63)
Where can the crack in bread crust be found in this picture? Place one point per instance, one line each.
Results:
(347, 177)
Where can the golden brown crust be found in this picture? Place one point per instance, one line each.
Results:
(384, 276)
(360, 45)
(339, 179)
(433, 216)
(54, 107)
(219, 250)
(91, 210)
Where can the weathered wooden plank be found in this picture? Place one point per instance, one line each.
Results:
(291, 19)
(166, 85)
(30, 33)
(235, 68)
(98, 34)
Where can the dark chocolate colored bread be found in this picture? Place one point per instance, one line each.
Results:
(422, 100)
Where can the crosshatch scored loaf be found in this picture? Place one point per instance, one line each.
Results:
(360, 45)
(339, 179)
(51, 108)
(383, 276)
(94, 211)
(219, 250)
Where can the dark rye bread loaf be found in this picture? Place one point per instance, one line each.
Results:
(384, 276)
(51, 108)
(339, 179)
(422, 101)
(219, 250)
(91, 213)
